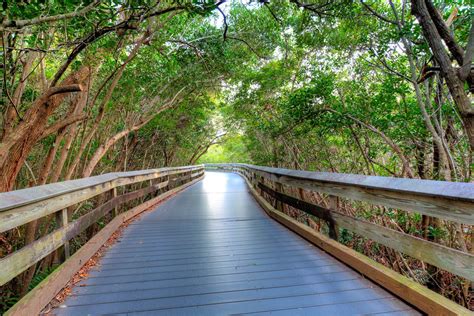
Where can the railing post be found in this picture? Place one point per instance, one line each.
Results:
(254, 181)
(62, 220)
(333, 202)
(279, 189)
(114, 195)
(261, 180)
(333, 206)
(151, 184)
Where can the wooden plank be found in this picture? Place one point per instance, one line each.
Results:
(12, 216)
(452, 201)
(334, 205)
(22, 259)
(426, 300)
(196, 174)
(63, 219)
(114, 195)
(133, 212)
(28, 196)
(448, 209)
(27, 213)
(33, 302)
(312, 209)
(443, 189)
(449, 259)
(278, 188)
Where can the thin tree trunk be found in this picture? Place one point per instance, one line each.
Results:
(101, 111)
(102, 150)
(81, 103)
(398, 151)
(11, 117)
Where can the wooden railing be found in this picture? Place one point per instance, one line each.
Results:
(20, 207)
(451, 201)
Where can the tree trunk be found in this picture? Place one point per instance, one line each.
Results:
(118, 75)
(80, 105)
(454, 82)
(17, 144)
(102, 150)
(10, 118)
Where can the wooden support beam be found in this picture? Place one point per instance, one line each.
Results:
(315, 210)
(64, 222)
(279, 189)
(333, 205)
(114, 195)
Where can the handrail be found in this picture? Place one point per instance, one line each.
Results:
(447, 200)
(23, 206)
(453, 201)
(14, 199)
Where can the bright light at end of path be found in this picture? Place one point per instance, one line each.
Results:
(215, 182)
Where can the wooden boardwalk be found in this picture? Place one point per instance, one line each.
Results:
(211, 250)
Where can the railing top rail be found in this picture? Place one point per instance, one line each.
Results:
(460, 191)
(17, 198)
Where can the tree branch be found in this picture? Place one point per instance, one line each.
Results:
(319, 10)
(62, 124)
(380, 16)
(398, 151)
(468, 55)
(58, 90)
(226, 26)
(63, 89)
(96, 34)
(18, 24)
(445, 32)
(271, 12)
(248, 45)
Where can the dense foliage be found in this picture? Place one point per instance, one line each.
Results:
(89, 87)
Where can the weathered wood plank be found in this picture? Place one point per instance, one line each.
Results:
(197, 174)
(27, 213)
(33, 302)
(22, 259)
(15, 199)
(315, 210)
(114, 195)
(15, 212)
(63, 219)
(452, 201)
(412, 292)
(17, 262)
(449, 259)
